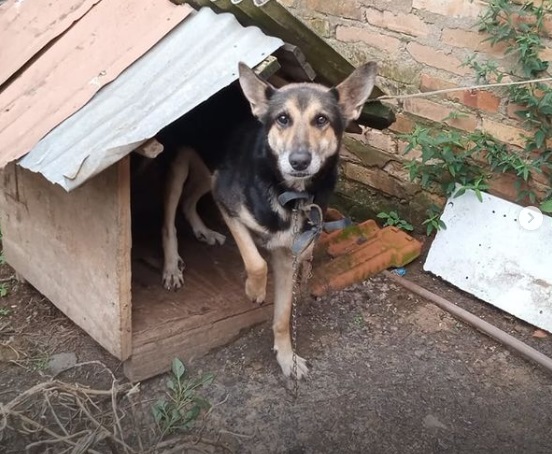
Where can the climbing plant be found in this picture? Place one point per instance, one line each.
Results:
(451, 159)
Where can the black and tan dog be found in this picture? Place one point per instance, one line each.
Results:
(292, 146)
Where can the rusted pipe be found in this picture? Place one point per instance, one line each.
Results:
(473, 320)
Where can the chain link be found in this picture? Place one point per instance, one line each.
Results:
(295, 271)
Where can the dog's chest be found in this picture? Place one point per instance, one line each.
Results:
(281, 238)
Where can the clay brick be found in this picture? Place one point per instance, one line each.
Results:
(287, 3)
(503, 185)
(429, 83)
(451, 8)
(436, 58)
(483, 100)
(413, 155)
(504, 133)
(366, 256)
(402, 6)
(320, 26)
(437, 112)
(378, 179)
(546, 54)
(379, 139)
(341, 9)
(403, 124)
(402, 23)
(357, 34)
(512, 108)
(477, 99)
(472, 40)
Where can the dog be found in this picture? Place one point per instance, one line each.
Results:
(192, 146)
(291, 146)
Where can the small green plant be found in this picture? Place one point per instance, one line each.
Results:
(433, 221)
(4, 312)
(182, 405)
(3, 290)
(358, 320)
(393, 218)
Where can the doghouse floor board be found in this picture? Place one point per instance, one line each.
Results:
(208, 311)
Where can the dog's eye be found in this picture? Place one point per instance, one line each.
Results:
(321, 120)
(283, 119)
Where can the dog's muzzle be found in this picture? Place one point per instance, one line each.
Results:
(300, 160)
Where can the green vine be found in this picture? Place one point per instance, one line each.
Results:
(452, 159)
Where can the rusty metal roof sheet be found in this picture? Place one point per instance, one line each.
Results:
(193, 62)
(28, 29)
(92, 52)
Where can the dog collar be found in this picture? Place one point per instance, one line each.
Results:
(315, 219)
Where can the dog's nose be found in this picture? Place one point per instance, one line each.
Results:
(300, 160)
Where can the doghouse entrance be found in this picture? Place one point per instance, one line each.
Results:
(211, 308)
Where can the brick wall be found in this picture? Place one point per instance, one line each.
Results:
(420, 45)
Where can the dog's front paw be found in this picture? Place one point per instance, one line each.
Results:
(210, 236)
(285, 360)
(255, 289)
(172, 275)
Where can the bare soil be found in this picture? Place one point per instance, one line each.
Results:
(391, 373)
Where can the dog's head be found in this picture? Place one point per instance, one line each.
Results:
(305, 121)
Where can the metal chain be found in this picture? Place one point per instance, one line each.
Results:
(295, 272)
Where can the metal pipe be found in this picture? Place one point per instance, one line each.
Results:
(471, 319)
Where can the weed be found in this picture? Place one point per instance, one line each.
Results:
(392, 218)
(358, 321)
(182, 405)
(433, 221)
(4, 312)
(3, 290)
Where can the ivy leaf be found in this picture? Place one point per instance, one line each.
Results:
(546, 206)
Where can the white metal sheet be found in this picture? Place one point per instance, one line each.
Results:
(487, 253)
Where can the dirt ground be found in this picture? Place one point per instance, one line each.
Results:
(391, 373)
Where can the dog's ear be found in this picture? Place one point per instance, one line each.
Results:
(354, 91)
(256, 90)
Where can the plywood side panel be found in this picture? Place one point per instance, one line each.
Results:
(74, 248)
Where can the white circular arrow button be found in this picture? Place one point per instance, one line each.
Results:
(530, 218)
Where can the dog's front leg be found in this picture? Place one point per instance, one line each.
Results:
(255, 265)
(173, 264)
(282, 267)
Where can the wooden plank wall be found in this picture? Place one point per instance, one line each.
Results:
(74, 247)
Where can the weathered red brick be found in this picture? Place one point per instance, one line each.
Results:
(436, 58)
(429, 83)
(437, 112)
(357, 34)
(378, 179)
(504, 133)
(463, 38)
(512, 108)
(379, 139)
(403, 124)
(483, 100)
(403, 23)
(451, 8)
(340, 9)
(477, 99)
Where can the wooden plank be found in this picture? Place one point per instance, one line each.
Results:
(89, 55)
(208, 312)
(74, 248)
(27, 27)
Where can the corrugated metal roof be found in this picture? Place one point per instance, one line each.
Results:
(330, 66)
(193, 62)
(28, 29)
(90, 54)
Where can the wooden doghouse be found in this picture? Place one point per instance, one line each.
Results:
(66, 205)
